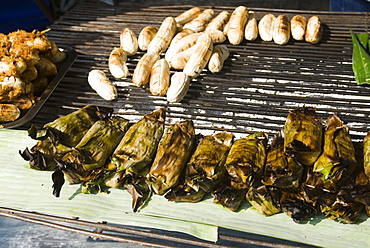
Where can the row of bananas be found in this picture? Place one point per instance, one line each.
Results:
(190, 42)
(27, 62)
(308, 168)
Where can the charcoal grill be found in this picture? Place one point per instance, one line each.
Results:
(258, 86)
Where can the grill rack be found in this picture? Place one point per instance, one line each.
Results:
(259, 84)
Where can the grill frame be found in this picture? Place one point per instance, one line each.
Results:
(253, 100)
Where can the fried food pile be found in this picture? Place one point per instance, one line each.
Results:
(310, 167)
(27, 63)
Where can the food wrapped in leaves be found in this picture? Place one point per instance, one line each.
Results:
(366, 156)
(303, 135)
(228, 196)
(93, 151)
(294, 205)
(137, 149)
(265, 199)
(281, 171)
(138, 188)
(59, 136)
(246, 160)
(174, 151)
(205, 169)
(337, 162)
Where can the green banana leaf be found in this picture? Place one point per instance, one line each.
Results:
(361, 57)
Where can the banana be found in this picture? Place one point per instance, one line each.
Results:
(236, 26)
(298, 25)
(314, 30)
(163, 37)
(143, 69)
(200, 22)
(251, 28)
(117, 63)
(159, 78)
(219, 55)
(199, 59)
(179, 86)
(146, 36)
(102, 85)
(266, 27)
(218, 22)
(281, 31)
(128, 41)
(188, 15)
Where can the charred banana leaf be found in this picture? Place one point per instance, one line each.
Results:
(205, 169)
(93, 151)
(58, 137)
(347, 212)
(228, 196)
(303, 133)
(281, 171)
(174, 151)
(294, 205)
(246, 160)
(265, 199)
(137, 149)
(366, 154)
(337, 162)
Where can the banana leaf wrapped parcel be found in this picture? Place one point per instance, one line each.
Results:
(338, 159)
(281, 171)
(93, 151)
(59, 136)
(366, 154)
(244, 166)
(205, 169)
(174, 151)
(303, 133)
(137, 148)
(296, 206)
(266, 199)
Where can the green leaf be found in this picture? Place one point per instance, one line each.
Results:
(360, 58)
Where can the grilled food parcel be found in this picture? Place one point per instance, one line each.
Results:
(310, 167)
(28, 60)
(181, 47)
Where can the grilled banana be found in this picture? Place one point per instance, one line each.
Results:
(199, 59)
(179, 86)
(160, 78)
(298, 27)
(266, 27)
(236, 26)
(163, 37)
(251, 28)
(143, 68)
(219, 55)
(281, 31)
(129, 42)
(102, 85)
(146, 36)
(314, 30)
(117, 63)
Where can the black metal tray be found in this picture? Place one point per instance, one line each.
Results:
(62, 70)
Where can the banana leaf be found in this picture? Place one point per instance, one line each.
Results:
(91, 153)
(303, 135)
(137, 148)
(174, 151)
(366, 154)
(294, 205)
(281, 171)
(229, 197)
(338, 160)
(246, 160)
(205, 169)
(59, 136)
(361, 57)
(265, 199)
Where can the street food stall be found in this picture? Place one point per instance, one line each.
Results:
(260, 83)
